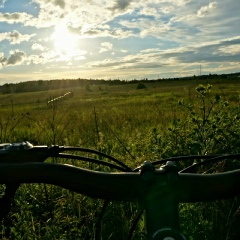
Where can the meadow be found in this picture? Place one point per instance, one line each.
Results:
(164, 119)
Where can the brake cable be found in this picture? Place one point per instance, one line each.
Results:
(210, 160)
(69, 148)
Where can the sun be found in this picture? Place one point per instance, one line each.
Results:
(65, 42)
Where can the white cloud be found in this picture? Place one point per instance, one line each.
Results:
(43, 58)
(56, 56)
(182, 2)
(86, 15)
(15, 37)
(105, 46)
(203, 11)
(167, 9)
(2, 2)
(15, 17)
(38, 47)
(147, 27)
(114, 33)
(230, 50)
(148, 11)
(53, 3)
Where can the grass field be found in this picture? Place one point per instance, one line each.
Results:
(168, 118)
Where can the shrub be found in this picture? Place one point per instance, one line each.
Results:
(211, 126)
(141, 86)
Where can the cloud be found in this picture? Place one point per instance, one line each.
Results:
(60, 3)
(85, 15)
(181, 61)
(15, 17)
(114, 33)
(230, 50)
(55, 3)
(147, 27)
(120, 5)
(16, 57)
(203, 11)
(43, 58)
(131, 62)
(2, 2)
(2, 58)
(191, 17)
(55, 56)
(105, 46)
(182, 2)
(148, 11)
(38, 47)
(15, 37)
(166, 10)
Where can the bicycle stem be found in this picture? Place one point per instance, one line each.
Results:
(160, 207)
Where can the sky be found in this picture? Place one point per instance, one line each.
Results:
(120, 39)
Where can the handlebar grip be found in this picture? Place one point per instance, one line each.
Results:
(22, 152)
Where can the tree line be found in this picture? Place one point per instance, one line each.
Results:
(44, 85)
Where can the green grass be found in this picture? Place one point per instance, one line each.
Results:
(133, 126)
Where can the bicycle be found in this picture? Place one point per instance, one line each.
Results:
(157, 191)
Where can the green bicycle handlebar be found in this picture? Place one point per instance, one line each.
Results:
(129, 186)
(158, 191)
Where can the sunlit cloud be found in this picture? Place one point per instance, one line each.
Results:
(206, 9)
(15, 17)
(105, 46)
(38, 47)
(15, 37)
(16, 58)
(230, 50)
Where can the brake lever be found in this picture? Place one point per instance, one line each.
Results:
(22, 152)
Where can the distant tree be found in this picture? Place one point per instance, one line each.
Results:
(7, 88)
